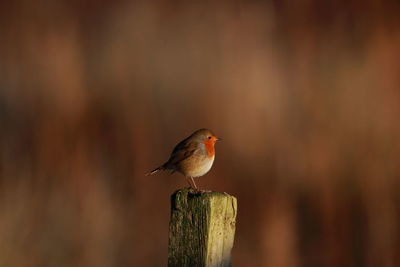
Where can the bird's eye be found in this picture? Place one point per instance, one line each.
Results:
(209, 137)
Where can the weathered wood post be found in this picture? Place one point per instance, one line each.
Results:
(202, 229)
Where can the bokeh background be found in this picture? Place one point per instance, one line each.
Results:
(305, 94)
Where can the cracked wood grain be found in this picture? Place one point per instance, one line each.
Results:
(202, 229)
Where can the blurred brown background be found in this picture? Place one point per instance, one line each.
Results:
(305, 94)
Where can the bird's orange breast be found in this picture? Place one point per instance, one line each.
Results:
(209, 144)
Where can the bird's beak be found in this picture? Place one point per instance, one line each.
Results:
(218, 139)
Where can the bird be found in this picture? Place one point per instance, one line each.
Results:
(192, 157)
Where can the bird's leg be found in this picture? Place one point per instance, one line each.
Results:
(188, 180)
(195, 186)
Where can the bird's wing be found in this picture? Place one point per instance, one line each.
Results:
(182, 151)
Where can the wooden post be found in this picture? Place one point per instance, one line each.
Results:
(202, 229)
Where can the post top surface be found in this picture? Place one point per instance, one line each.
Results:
(203, 194)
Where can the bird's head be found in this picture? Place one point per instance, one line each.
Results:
(207, 137)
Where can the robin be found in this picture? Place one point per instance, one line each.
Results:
(192, 157)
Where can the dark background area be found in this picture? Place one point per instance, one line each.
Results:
(305, 94)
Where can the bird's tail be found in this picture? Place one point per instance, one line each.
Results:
(161, 168)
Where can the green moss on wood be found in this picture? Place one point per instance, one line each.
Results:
(202, 228)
